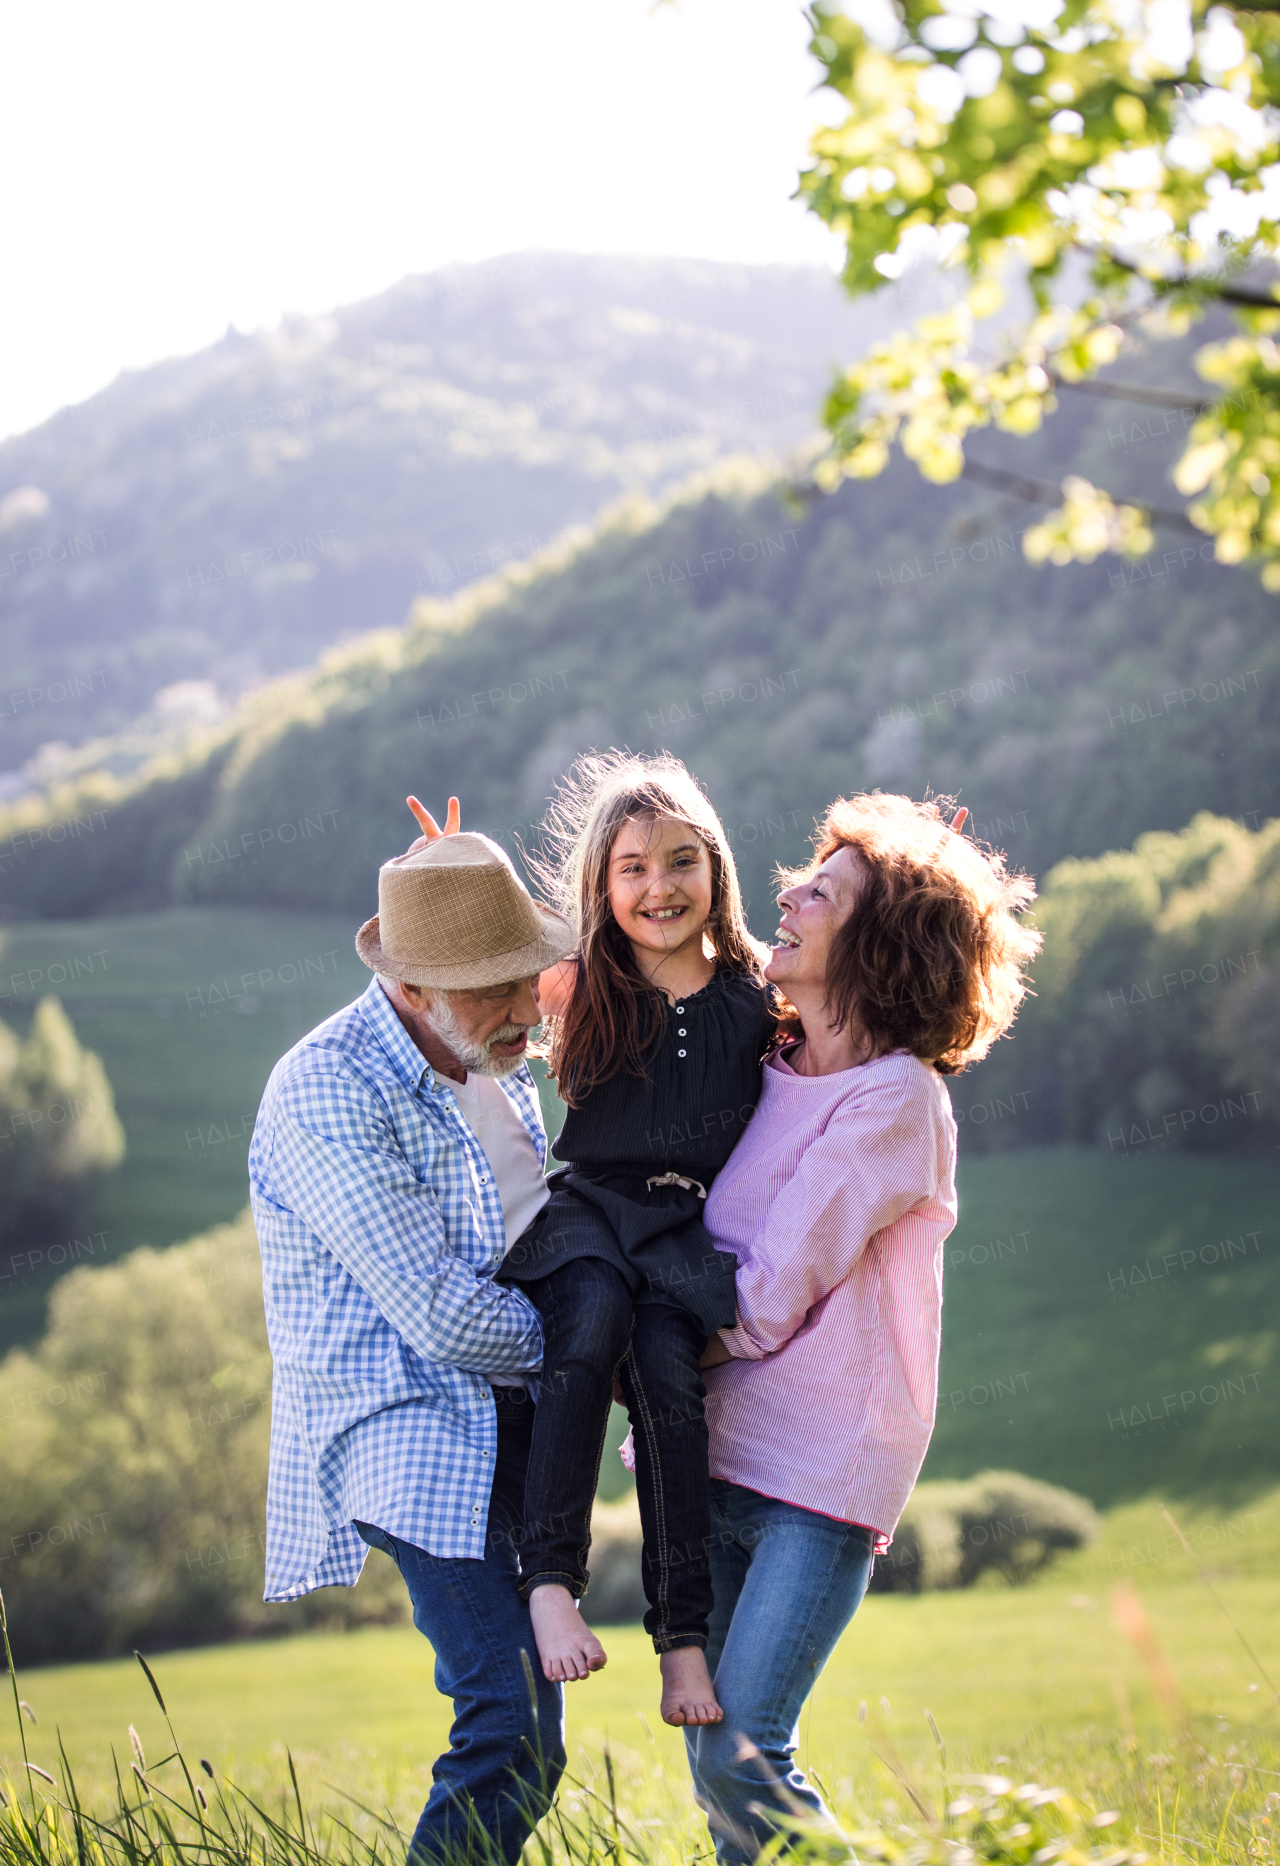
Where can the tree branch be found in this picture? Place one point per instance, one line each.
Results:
(1133, 391)
(1226, 294)
(1044, 492)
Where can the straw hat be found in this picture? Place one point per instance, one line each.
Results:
(455, 915)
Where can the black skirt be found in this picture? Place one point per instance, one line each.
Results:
(652, 1235)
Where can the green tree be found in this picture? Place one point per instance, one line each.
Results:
(1157, 1006)
(58, 1124)
(133, 1463)
(1005, 136)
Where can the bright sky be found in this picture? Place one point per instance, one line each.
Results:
(173, 168)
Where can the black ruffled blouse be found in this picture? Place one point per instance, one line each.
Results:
(703, 1083)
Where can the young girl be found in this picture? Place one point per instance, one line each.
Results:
(658, 1028)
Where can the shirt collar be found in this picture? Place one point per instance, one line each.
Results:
(407, 1060)
(412, 1067)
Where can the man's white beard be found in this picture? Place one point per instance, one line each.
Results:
(476, 1058)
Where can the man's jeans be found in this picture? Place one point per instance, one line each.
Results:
(506, 1749)
(787, 1582)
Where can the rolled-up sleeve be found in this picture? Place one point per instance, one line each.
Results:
(337, 1163)
(873, 1162)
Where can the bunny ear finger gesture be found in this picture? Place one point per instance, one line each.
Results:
(431, 830)
(427, 823)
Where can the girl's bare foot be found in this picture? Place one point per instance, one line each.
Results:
(688, 1695)
(566, 1644)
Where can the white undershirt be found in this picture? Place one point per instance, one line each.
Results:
(495, 1123)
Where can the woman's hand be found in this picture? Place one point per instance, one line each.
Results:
(715, 1354)
(431, 830)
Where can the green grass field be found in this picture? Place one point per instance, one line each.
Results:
(1036, 1682)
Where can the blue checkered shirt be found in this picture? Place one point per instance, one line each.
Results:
(380, 1227)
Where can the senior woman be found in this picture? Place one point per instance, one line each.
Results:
(900, 959)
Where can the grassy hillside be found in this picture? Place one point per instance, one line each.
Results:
(228, 515)
(1111, 1324)
(190, 1012)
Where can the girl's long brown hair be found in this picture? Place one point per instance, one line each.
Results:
(603, 1030)
(931, 958)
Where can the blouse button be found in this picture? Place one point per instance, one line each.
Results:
(681, 1052)
(682, 1032)
(680, 1013)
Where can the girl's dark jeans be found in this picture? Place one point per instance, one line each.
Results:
(593, 1328)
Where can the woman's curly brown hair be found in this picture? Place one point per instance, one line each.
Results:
(932, 955)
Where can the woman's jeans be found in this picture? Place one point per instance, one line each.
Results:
(787, 1582)
(592, 1328)
(506, 1748)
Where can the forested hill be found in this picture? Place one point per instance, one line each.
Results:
(226, 516)
(891, 634)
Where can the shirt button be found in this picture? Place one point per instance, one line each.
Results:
(682, 1033)
(484, 1454)
(681, 1052)
(680, 1010)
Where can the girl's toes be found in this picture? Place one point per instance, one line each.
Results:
(688, 1695)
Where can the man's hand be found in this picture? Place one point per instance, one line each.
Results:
(715, 1354)
(431, 830)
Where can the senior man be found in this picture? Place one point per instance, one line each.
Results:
(398, 1152)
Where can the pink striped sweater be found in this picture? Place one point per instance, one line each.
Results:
(837, 1200)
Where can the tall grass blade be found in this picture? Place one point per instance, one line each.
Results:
(942, 1756)
(151, 1680)
(897, 1772)
(17, 1701)
(297, 1796)
(1219, 1603)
